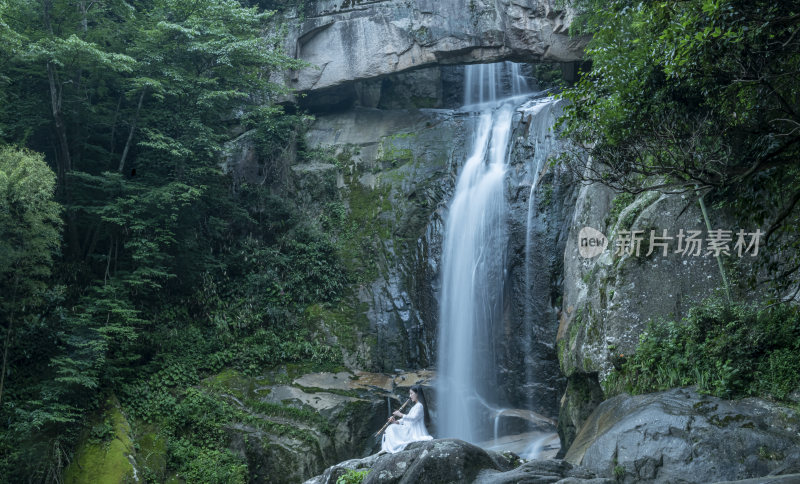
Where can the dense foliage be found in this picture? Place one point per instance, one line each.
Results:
(133, 265)
(728, 351)
(697, 96)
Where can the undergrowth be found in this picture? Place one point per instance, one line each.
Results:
(726, 350)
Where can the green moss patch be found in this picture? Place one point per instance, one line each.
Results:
(106, 460)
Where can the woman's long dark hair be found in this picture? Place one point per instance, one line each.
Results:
(421, 399)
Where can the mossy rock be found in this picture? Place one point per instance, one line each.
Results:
(152, 453)
(347, 320)
(232, 382)
(108, 460)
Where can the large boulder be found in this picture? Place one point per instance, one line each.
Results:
(455, 461)
(682, 436)
(439, 461)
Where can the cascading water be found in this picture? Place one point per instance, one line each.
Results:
(473, 256)
(542, 114)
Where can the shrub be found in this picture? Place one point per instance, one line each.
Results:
(352, 477)
(726, 350)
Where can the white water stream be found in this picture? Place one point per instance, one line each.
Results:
(473, 255)
(474, 262)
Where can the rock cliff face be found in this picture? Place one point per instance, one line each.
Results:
(537, 234)
(393, 171)
(396, 168)
(609, 299)
(349, 40)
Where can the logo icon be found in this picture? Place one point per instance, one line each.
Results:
(591, 242)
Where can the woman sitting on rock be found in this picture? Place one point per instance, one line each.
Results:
(410, 427)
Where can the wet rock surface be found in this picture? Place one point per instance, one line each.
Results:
(537, 234)
(682, 436)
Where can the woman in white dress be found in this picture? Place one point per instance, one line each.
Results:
(409, 427)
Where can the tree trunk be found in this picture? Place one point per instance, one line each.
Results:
(114, 126)
(8, 340)
(130, 133)
(64, 161)
(5, 358)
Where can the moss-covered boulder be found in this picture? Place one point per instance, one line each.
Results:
(105, 452)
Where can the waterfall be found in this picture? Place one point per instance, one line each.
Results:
(473, 255)
(542, 114)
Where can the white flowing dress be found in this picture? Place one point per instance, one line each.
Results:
(410, 428)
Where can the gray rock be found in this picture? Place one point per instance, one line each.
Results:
(455, 461)
(787, 479)
(681, 436)
(333, 473)
(541, 472)
(435, 462)
(350, 40)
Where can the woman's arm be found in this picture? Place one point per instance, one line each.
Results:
(414, 414)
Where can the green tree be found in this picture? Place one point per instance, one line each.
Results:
(169, 270)
(29, 237)
(696, 96)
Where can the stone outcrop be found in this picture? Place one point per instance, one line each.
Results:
(350, 40)
(456, 461)
(681, 436)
